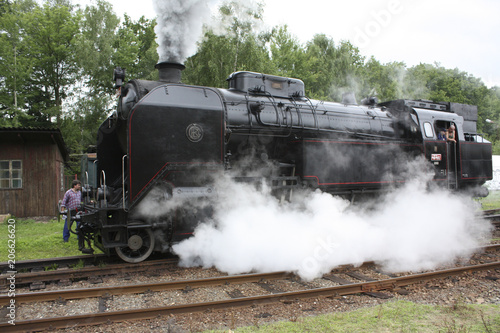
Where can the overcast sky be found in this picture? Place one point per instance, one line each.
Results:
(454, 33)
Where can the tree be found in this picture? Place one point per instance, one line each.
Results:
(334, 70)
(287, 55)
(135, 48)
(94, 48)
(15, 68)
(91, 100)
(239, 48)
(51, 33)
(387, 82)
(4, 6)
(80, 124)
(104, 44)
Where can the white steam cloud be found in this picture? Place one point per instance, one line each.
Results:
(408, 230)
(179, 26)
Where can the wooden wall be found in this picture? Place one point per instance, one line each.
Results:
(42, 172)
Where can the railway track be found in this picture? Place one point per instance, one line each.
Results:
(342, 287)
(493, 216)
(150, 287)
(39, 272)
(491, 212)
(42, 277)
(37, 279)
(85, 260)
(51, 263)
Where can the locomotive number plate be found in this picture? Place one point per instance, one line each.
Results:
(436, 157)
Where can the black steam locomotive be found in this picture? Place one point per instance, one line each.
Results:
(169, 141)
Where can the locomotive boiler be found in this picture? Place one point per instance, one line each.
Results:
(168, 141)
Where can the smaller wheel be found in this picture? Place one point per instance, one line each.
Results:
(140, 245)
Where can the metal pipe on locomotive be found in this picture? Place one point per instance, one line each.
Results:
(173, 138)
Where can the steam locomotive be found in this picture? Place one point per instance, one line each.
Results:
(168, 141)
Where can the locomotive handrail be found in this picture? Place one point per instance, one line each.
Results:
(103, 180)
(479, 137)
(455, 161)
(257, 116)
(234, 129)
(271, 125)
(278, 120)
(313, 111)
(87, 185)
(275, 105)
(250, 122)
(123, 181)
(96, 194)
(299, 113)
(257, 113)
(452, 147)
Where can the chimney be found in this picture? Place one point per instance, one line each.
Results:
(170, 71)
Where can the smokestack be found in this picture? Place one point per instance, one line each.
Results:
(170, 71)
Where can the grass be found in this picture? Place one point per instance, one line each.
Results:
(37, 240)
(492, 201)
(395, 316)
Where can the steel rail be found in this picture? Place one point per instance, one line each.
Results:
(491, 247)
(47, 262)
(67, 294)
(113, 269)
(118, 316)
(490, 211)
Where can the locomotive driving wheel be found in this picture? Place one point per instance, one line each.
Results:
(140, 245)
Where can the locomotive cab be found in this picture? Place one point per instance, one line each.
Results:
(463, 163)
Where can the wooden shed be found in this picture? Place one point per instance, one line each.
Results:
(31, 171)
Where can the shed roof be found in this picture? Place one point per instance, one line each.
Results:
(34, 134)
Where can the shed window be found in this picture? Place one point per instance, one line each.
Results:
(429, 132)
(11, 174)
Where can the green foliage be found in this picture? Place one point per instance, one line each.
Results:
(80, 124)
(15, 66)
(238, 48)
(4, 6)
(78, 265)
(94, 47)
(58, 61)
(50, 35)
(135, 48)
(450, 85)
(387, 82)
(336, 68)
(287, 55)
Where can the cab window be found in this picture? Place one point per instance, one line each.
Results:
(429, 132)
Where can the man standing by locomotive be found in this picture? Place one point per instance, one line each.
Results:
(72, 199)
